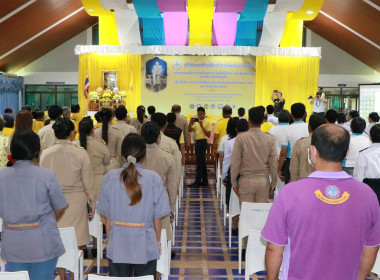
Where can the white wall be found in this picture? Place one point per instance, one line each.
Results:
(58, 65)
(338, 67)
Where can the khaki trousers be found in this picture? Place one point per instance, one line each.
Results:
(253, 190)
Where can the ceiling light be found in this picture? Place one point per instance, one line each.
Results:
(310, 12)
(90, 10)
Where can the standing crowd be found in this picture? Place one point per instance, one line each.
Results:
(64, 170)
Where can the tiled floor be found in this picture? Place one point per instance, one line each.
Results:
(201, 240)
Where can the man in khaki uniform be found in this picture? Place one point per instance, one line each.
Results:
(121, 124)
(182, 123)
(168, 144)
(162, 162)
(299, 165)
(254, 158)
(46, 133)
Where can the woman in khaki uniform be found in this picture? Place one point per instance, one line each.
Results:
(140, 120)
(72, 166)
(112, 137)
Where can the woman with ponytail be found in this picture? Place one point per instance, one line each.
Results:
(133, 201)
(112, 137)
(140, 120)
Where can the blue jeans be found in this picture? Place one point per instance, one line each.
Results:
(37, 271)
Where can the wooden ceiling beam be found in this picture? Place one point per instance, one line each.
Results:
(346, 40)
(32, 20)
(8, 6)
(357, 15)
(47, 42)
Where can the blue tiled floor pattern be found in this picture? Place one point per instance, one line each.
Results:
(201, 240)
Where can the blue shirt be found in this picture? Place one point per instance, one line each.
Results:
(28, 197)
(132, 238)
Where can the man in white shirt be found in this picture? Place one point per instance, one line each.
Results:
(367, 166)
(297, 130)
(318, 102)
(280, 132)
(358, 142)
(270, 118)
(46, 133)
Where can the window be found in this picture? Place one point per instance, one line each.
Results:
(40, 96)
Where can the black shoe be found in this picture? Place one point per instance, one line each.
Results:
(195, 185)
(205, 184)
(235, 232)
(173, 254)
(94, 253)
(85, 253)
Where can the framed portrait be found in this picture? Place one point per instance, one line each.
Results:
(109, 79)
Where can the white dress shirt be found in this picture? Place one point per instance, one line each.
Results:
(228, 147)
(272, 119)
(368, 163)
(358, 142)
(280, 133)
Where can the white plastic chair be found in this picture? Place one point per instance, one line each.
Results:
(97, 277)
(18, 275)
(96, 230)
(255, 253)
(163, 263)
(218, 180)
(252, 217)
(72, 260)
(233, 211)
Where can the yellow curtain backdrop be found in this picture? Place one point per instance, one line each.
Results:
(127, 67)
(295, 77)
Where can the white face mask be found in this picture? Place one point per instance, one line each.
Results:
(309, 158)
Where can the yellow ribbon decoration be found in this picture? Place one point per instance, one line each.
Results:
(327, 200)
(201, 13)
(292, 36)
(107, 23)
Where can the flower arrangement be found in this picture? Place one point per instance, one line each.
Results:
(93, 96)
(107, 96)
(123, 94)
(116, 97)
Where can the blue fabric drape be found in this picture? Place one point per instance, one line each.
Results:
(9, 93)
(246, 32)
(153, 23)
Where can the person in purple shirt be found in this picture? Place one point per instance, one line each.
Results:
(328, 222)
(31, 200)
(133, 201)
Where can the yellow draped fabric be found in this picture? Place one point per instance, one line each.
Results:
(127, 67)
(107, 23)
(292, 36)
(201, 13)
(295, 77)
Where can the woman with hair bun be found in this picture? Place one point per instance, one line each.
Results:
(140, 120)
(133, 201)
(31, 200)
(112, 137)
(373, 119)
(73, 168)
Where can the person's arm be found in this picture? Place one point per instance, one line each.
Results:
(157, 229)
(273, 96)
(205, 129)
(273, 162)
(172, 185)
(186, 133)
(58, 213)
(108, 226)
(226, 160)
(215, 144)
(359, 168)
(294, 167)
(87, 177)
(281, 160)
(273, 260)
(182, 146)
(367, 261)
(236, 160)
(312, 101)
